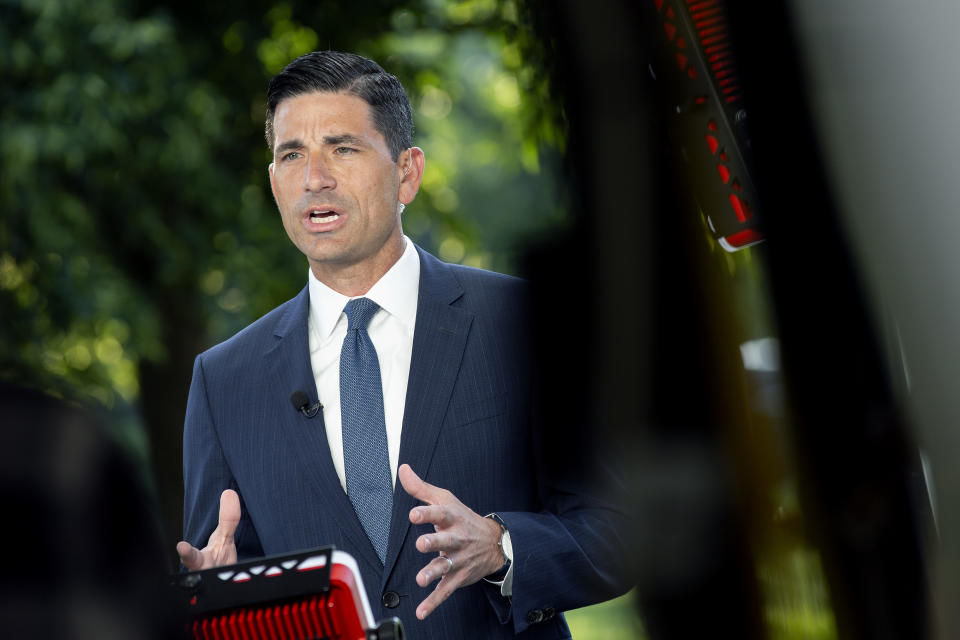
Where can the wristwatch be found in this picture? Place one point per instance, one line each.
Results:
(506, 548)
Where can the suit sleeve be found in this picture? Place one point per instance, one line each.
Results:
(567, 557)
(569, 550)
(564, 560)
(206, 472)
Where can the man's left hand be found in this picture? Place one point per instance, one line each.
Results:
(470, 541)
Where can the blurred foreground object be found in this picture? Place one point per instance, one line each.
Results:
(83, 558)
(316, 593)
(881, 88)
(776, 481)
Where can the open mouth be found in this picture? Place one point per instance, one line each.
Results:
(320, 216)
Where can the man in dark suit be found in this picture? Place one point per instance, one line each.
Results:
(421, 367)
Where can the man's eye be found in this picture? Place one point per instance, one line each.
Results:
(293, 155)
(343, 151)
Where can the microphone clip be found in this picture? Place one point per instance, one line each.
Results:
(311, 410)
(301, 402)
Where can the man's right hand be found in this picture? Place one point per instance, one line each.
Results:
(221, 548)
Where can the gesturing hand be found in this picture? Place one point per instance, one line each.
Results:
(221, 548)
(467, 539)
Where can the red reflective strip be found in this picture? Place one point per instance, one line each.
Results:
(724, 173)
(740, 208)
(671, 30)
(692, 72)
(254, 620)
(273, 631)
(709, 14)
(706, 22)
(681, 61)
(701, 6)
(681, 43)
(244, 620)
(322, 616)
(713, 143)
(719, 49)
(216, 628)
(259, 625)
(290, 621)
(743, 238)
(670, 14)
(706, 42)
(309, 624)
(230, 628)
(281, 620)
(659, 4)
(719, 29)
(712, 125)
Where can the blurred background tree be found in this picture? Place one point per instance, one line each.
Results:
(137, 225)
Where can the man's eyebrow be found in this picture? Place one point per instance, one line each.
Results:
(343, 138)
(289, 144)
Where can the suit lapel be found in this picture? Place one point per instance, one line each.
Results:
(288, 362)
(439, 338)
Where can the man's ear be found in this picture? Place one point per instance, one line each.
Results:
(273, 186)
(410, 166)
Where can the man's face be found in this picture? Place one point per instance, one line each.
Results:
(337, 187)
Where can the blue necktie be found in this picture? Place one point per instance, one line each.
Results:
(365, 457)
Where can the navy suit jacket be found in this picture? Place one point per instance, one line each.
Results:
(466, 428)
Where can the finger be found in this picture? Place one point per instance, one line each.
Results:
(435, 569)
(444, 588)
(440, 541)
(190, 556)
(229, 512)
(431, 514)
(221, 549)
(412, 484)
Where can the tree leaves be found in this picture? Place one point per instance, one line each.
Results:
(135, 200)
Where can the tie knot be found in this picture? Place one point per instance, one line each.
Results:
(359, 312)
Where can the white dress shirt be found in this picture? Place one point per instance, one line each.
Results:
(391, 331)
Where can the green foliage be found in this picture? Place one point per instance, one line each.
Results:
(615, 619)
(78, 109)
(137, 224)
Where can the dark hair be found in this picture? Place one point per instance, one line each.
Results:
(334, 71)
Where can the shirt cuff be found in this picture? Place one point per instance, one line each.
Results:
(506, 585)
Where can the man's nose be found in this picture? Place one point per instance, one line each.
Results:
(318, 176)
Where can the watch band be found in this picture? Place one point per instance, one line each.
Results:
(507, 560)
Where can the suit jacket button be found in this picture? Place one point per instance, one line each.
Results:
(534, 616)
(391, 599)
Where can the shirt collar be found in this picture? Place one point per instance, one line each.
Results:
(396, 292)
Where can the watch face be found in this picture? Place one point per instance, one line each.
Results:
(507, 545)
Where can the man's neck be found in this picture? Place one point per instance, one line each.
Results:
(354, 280)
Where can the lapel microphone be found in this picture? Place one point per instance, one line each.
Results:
(301, 403)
